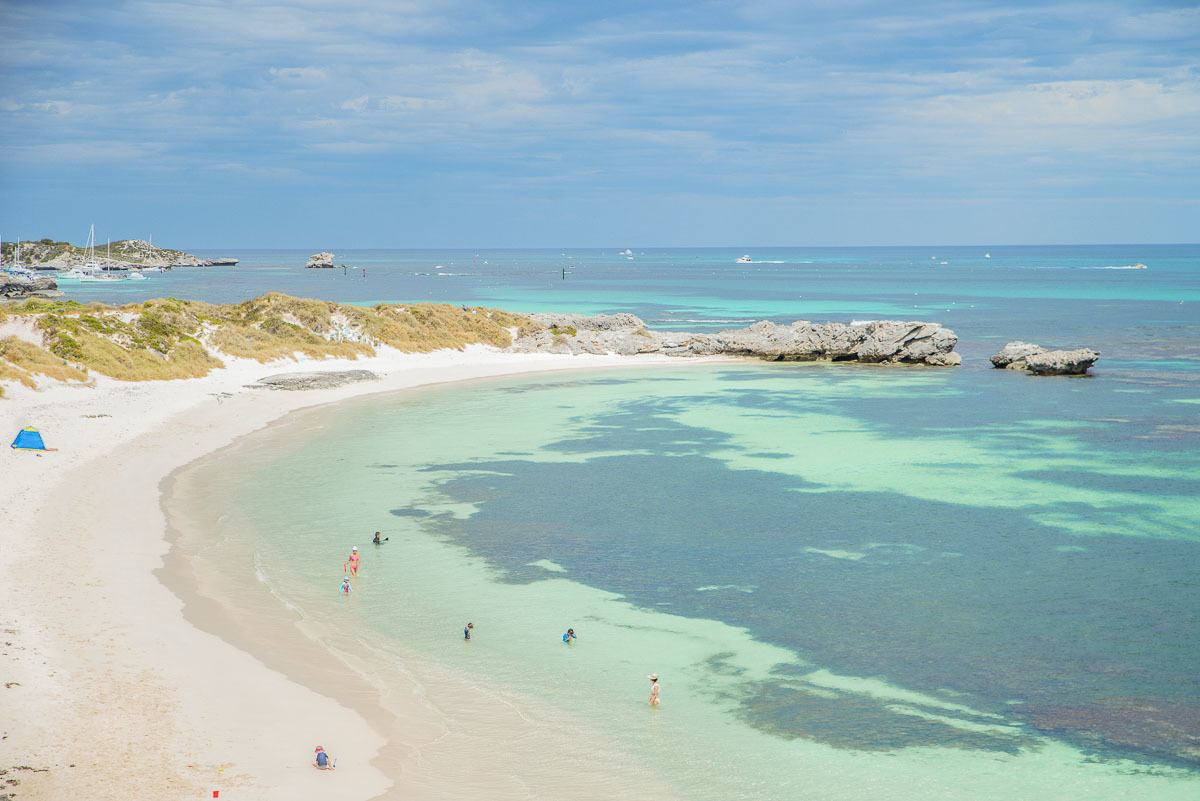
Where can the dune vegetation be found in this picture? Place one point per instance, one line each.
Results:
(21, 361)
(170, 338)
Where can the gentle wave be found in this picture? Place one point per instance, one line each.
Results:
(1138, 266)
(702, 320)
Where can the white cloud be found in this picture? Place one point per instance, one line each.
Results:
(299, 74)
(83, 152)
(404, 103)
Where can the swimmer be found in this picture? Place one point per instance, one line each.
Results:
(653, 689)
(467, 631)
(346, 589)
(353, 561)
(378, 541)
(570, 635)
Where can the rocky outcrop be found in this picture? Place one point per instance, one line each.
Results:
(1039, 361)
(1012, 356)
(315, 380)
(17, 287)
(1062, 362)
(623, 334)
(322, 259)
(878, 341)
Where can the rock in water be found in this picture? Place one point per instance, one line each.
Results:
(1039, 361)
(884, 341)
(1012, 356)
(322, 259)
(1062, 362)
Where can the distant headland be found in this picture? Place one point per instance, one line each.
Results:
(48, 254)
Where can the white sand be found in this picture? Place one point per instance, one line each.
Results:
(109, 693)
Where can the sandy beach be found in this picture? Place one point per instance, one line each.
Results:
(109, 692)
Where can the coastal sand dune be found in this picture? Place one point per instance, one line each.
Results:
(109, 692)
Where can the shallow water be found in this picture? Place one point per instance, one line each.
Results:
(854, 582)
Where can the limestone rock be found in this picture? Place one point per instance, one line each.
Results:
(623, 334)
(885, 341)
(1062, 362)
(315, 380)
(1040, 361)
(15, 287)
(322, 259)
(1013, 355)
(878, 341)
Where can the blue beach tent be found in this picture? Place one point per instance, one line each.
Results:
(29, 439)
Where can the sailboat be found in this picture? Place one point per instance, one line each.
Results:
(91, 271)
(16, 268)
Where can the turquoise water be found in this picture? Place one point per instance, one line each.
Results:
(855, 582)
(928, 584)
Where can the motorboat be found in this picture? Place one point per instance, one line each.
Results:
(744, 259)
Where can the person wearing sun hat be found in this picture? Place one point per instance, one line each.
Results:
(653, 689)
(321, 759)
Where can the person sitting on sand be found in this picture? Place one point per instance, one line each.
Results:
(352, 562)
(653, 689)
(467, 631)
(346, 589)
(570, 635)
(321, 760)
(378, 541)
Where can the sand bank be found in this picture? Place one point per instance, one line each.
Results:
(109, 692)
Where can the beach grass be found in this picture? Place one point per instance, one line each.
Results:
(423, 327)
(20, 361)
(171, 338)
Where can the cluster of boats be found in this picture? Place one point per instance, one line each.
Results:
(97, 272)
(93, 270)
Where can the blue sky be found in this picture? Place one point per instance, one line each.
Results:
(373, 123)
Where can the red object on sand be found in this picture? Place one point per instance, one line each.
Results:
(216, 793)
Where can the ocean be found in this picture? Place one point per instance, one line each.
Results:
(855, 582)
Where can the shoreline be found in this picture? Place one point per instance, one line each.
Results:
(99, 672)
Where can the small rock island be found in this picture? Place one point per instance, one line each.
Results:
(1037, 360)
(324, 259)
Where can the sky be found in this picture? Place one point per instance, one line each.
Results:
(406, 123)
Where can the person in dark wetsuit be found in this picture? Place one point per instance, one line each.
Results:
(467, 631)
(378, 541)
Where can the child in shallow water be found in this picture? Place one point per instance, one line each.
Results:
(346, 589)
(570, 635)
